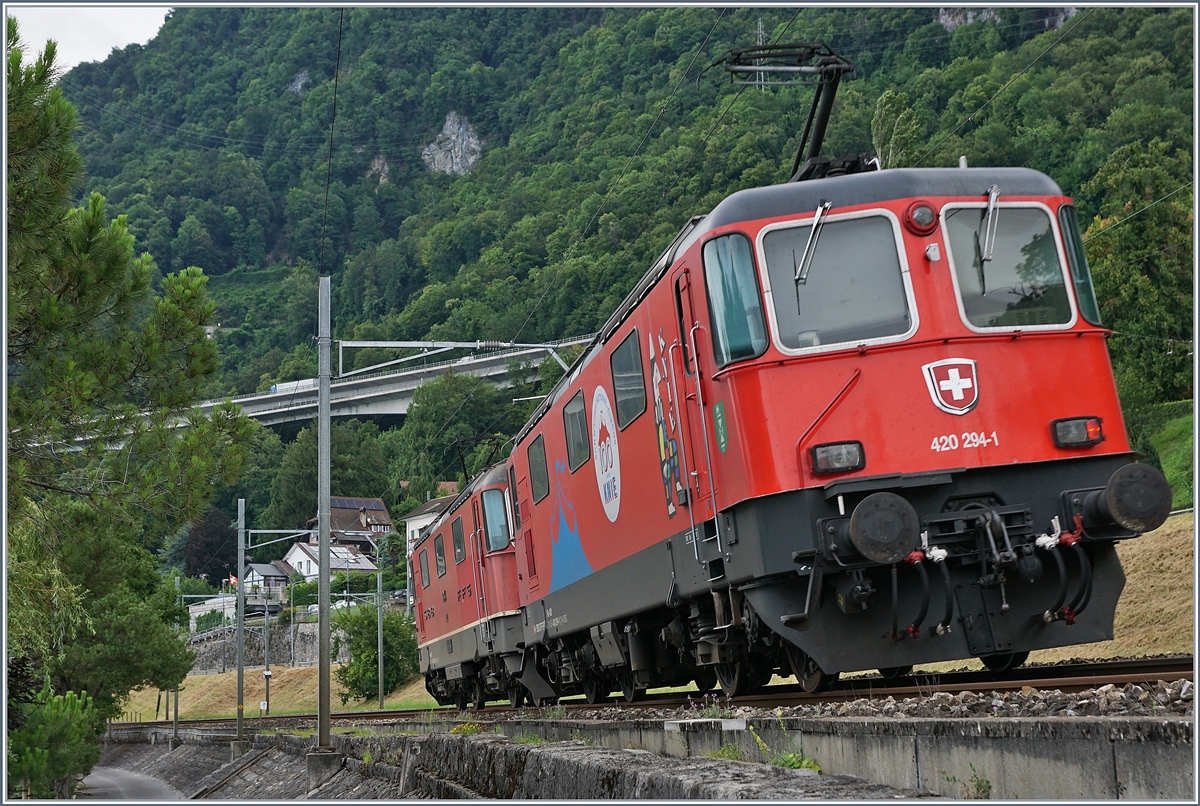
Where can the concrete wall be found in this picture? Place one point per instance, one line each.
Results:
(219, 652)
(1076, 758)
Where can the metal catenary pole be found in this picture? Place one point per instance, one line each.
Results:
(379, 622)
(241, 612)
(323, 643)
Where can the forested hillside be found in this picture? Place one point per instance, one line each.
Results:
(598, 134)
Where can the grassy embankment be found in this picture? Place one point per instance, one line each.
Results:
(1154, 617)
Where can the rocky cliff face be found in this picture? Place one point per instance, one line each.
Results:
(951, 18)
(456, 150)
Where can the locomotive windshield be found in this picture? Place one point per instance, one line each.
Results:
(853, 290)
(1023, 284)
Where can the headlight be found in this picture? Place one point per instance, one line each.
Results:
(838, 457)
(1077, 432)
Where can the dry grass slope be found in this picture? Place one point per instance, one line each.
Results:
(1155, 616)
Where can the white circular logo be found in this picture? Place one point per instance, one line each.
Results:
(607, 457)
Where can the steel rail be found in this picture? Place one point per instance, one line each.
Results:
(1067, 678)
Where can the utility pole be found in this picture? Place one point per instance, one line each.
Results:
(175, 724)
(267, 643)
(241, 613)
(323, 458)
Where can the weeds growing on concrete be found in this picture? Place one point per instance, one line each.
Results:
(728, 751)
(975, 788)
(791, 761)
(580, 736)
(710, 707)
(529, 738)
(466, 729)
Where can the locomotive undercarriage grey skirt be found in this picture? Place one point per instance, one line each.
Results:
(841, 642)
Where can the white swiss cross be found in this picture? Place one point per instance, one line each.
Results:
(953, 384)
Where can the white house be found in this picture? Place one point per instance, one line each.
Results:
(304, 558)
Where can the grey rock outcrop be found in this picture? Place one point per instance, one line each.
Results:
(456, 149)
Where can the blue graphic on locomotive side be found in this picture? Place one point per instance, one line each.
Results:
(570, 563)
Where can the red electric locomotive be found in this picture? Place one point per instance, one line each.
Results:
(860, 421)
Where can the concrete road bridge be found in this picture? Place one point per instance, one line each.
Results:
(384, 392)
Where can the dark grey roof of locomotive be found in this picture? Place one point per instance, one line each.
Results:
(867, 188)
(793, 198)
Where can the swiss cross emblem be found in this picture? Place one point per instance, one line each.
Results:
(952, 384)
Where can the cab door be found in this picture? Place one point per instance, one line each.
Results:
(689, 367)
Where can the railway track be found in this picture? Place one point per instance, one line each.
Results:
(1066, 678)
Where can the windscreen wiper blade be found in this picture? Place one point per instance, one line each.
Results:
(810, 249)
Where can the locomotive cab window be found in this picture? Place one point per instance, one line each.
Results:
(539, 479)
(629, 386)
(735, 305)
(495, 520)
(845, 284)
(456, 536)
(439, 555)
(424, 569)
(579, 448)
(1079, 266)
(1012, 279)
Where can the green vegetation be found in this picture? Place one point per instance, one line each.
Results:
(975, 788)
(528, 738)
(1174, 446)
(727, 751)
(55, 742)
(209, 620)
(360, 677)
(466, 729)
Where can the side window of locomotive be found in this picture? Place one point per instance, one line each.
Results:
(853, 290)
(456, 537)
(539, 479)
(424, 569)
(494, 519)
(629, 385)
(579, 447)
(1079, 265)
(734, 301)
(1022, 285)
(439, 555)
(512, 493)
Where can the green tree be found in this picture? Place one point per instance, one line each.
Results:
(1139, 248)
(106, 454)
(894, 131)
(360, 677)
(356, 469)
(440, 432)
(55, 743)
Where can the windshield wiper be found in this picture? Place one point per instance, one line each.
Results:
(984, 253)
(810, 249)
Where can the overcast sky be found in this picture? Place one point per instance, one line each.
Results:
(85, 33)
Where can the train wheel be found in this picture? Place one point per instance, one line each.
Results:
(706, 680)
(478, 696)
(734, 678)
(460, 699)
(596, 689)
(892, 672)
(1005, 661)
(629, 689)
(808, 674)
(516, 695)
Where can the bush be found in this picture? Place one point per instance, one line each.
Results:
(57, 742)
(211, 619)
(1173, 444)
(360, 677)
